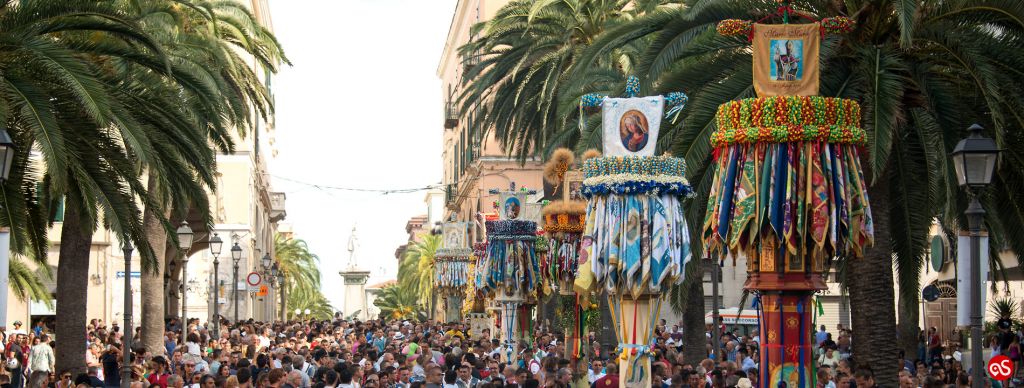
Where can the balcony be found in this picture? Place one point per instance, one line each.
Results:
(277, 209)
(451, 115)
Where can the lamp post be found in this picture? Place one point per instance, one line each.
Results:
(275, 283)
(184, 244)
(215, 246)
(306, 313)
(298, 313)
(974, 160)
(280, 282)
(126, 353)
(236, 256)
(267, 262)
(7, 152)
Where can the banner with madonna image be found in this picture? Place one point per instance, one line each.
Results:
(631, 125)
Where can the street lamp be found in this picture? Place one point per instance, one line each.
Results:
(307, 313)
(7, 152)
(974, 160)
(280, 281)
(297, 312)
(215, 246)
(274, 274)
(184, 244)
(126, 363)
(236, 256)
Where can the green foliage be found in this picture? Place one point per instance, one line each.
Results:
(416, 271)
(301, 269)
(397, 302)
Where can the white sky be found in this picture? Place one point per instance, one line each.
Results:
(361, 107)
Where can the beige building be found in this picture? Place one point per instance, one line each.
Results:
(473, 164)
(245, 209)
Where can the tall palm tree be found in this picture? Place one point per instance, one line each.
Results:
(301, 269)
(55, 97)
(922, 71)
(416, 271)
(516, 79)
(222, 92)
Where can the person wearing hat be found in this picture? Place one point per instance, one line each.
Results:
(17, 329)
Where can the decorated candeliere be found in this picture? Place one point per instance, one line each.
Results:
(635, 240)
(788, 193)
(510, 270)
(451, 268)
(563, 222)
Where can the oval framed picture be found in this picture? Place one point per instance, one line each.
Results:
(634, 130)
(512, 207)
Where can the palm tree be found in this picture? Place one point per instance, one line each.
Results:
(922, 71)
(416, 271)
(203, 40)
(318, 305)
(58, 99)
(301, 269)
(397, 302)
(520, 87)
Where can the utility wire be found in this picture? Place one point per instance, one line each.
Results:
(361, 190)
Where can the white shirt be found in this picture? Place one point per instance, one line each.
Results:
(592, 377)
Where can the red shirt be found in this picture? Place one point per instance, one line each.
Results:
(160, 380)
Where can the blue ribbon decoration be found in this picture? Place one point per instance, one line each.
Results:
(632, 86)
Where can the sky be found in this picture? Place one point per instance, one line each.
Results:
(360, 108)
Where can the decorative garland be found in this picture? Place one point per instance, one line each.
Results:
(630, 184)
(783, 119)
(461, 254)
(541, 243)
(636, 165)
(734, 27)
(836, 25)
(566, 223)
(510, 229)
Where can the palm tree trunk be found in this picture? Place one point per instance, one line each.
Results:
(153, 280)
(693, 318)
(872, 297)
(908, 325)
(72, 280)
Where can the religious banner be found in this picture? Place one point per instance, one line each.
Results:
(631, 125)
(454, 235)
(786, 59)
(511, 204)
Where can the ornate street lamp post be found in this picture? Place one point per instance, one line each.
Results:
(215, 246)
(267, 266)
(974, 160)
(280, 282)
(185, 235)
(126, 362)
(236, 256)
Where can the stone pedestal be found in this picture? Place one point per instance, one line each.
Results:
(355, 293)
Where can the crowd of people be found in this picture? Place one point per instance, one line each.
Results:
(402, 354)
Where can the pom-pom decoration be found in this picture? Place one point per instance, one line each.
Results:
(555, 168)
(837, 25)
(734, 27)
(782, 119)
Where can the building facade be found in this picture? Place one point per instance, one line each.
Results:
(474, 163)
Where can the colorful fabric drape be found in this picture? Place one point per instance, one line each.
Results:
(511, 261)
(636, 238)
(788, 169)
(451, 276)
